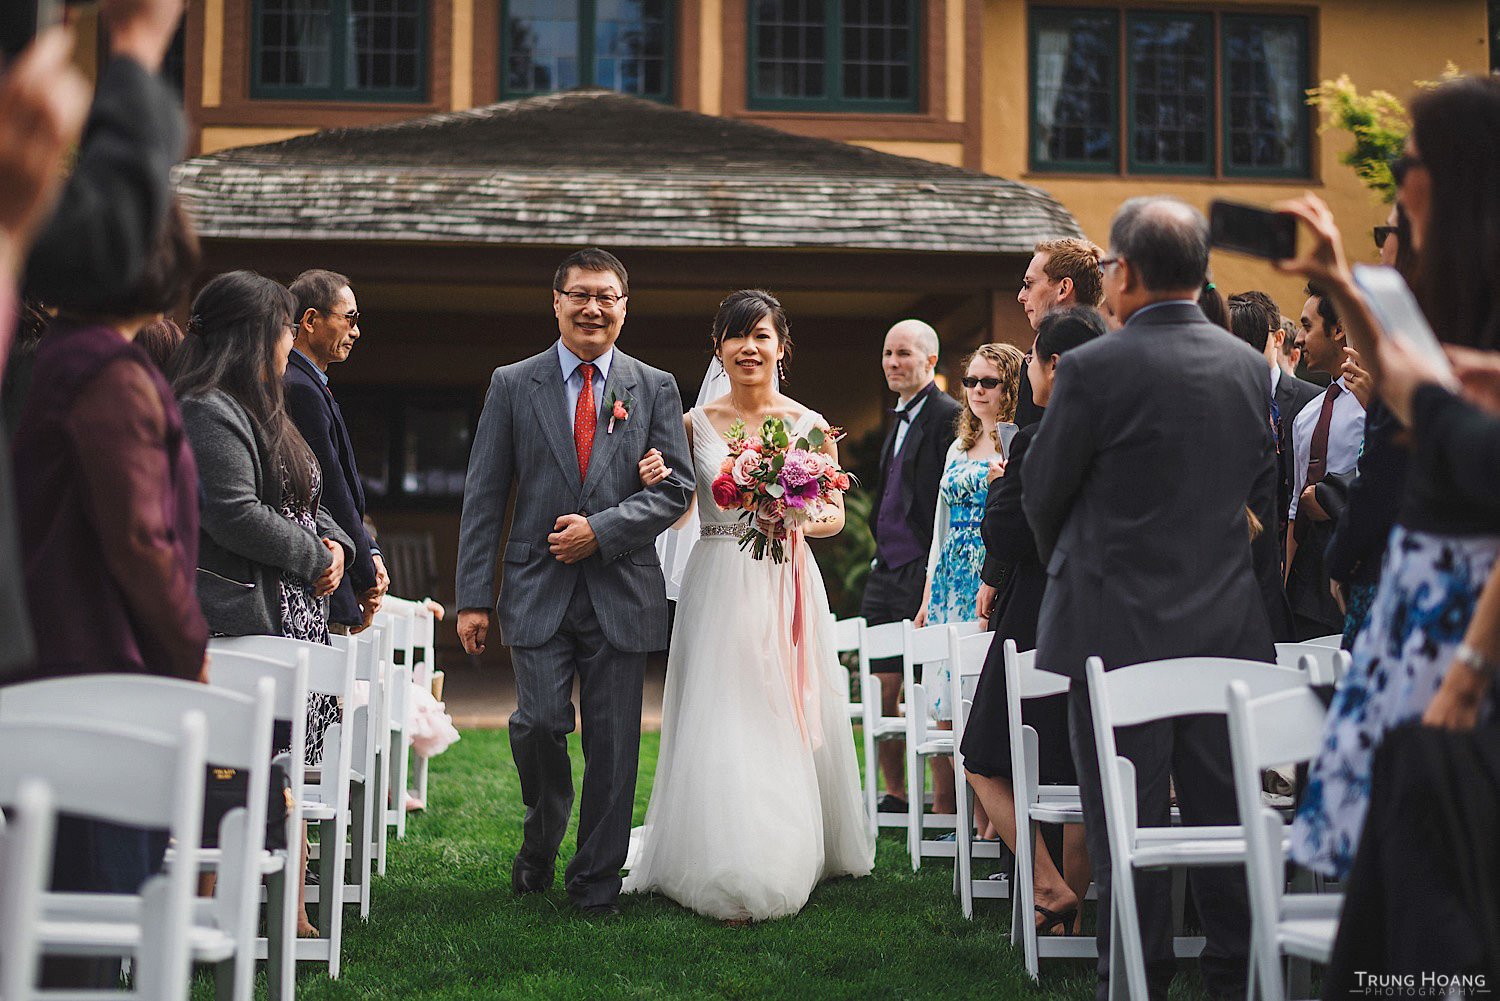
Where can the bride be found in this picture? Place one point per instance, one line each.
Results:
(757, 796)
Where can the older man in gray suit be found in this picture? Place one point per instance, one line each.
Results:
(581, 593)
(1155, 442)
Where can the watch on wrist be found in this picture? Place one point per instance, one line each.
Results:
(1475, 661)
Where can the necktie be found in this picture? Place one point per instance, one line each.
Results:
(1317, 452)
(584, 420)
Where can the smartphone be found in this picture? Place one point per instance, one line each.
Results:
(23, 20)
(1389, 298)
(1252, 230)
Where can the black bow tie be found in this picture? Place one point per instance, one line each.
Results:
(901, 415)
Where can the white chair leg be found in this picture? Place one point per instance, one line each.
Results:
(916, 793)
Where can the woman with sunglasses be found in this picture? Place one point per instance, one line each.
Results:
(984, 428)
(1447, 535)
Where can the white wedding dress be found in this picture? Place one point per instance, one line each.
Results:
(754, 802)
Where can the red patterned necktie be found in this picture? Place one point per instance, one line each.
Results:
(584, 420)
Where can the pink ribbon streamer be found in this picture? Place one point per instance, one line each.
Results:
(804, 685)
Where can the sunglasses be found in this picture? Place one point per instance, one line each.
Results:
(988, 382)
(1381, 233)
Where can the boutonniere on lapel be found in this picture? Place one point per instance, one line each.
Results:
(619, 410)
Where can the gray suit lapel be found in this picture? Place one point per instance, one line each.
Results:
(622, 382)
(551, 404)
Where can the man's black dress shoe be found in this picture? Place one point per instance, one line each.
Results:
(606, 910)
(890, 803)
(524, 879)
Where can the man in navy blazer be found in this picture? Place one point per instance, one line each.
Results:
(1156, 440)
(327, 327)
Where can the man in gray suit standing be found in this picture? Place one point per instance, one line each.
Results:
(1155, 442)
(581, 593)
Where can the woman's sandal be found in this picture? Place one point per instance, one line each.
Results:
(1060, 920)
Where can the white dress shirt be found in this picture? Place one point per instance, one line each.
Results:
(912, 409)
(573, 378)
(1345, 433)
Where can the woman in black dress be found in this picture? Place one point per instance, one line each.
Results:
(1012, 565)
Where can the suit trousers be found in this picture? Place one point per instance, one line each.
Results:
(1194, 752)
(892, 595)
(610, 683)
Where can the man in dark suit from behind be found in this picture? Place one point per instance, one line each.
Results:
(327, 327)
(1155, 441)
(911, 464)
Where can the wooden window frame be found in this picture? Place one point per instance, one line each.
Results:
(340, 54)
(1218, 168)
(833, 69)
(587, 18)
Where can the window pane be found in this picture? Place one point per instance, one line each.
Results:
(1171, 62)
(877, 50)
(296, 43)
(630, 46)
(383, 45)
(792, 64)
(543, 46)
(1073, 87)
(435, 450)
(1265, 65)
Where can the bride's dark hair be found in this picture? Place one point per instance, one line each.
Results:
(742, 310)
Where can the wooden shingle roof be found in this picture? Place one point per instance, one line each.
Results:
(598, 167)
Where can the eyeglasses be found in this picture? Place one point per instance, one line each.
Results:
(352, 316)
(1381, 233)
(1401, 164)
(606, 300)
(988, 382)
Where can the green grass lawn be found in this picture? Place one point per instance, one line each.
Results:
(445, 925)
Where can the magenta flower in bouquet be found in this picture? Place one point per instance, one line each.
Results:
(778, 485)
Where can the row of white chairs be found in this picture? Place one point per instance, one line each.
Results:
(1300, 925)
(60, 730)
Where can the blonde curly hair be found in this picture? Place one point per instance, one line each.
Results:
(1008, 359)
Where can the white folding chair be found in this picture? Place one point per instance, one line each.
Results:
(401, 614)
(849, 637)
(245, 673)
(926, 648)
(25, 863)
(326, 792)
(1324, 665)
(238, 736)
(425, 675)
(123, 776)
(966, 656)
(882, 641)
(372, 652)
(1035, 804)
(1333, 640)
(1280, 728)
(1144, 693)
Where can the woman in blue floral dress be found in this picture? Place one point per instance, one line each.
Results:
(985, 427)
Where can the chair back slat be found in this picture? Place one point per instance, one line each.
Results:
(1183, 686)
(1031, 681)
(848, 634)
(327, 666)
(1324, 665)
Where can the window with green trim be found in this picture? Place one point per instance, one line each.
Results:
(342, 50)
(1196, 92)
(552, 45)
(834, 55)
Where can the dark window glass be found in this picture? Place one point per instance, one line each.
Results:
(877, 50)
(790, 60)
(1265, 73)
(1074, 80)
(435, 450)
(630, 46)
(295, 43)
(1171, 63)
(543, 46)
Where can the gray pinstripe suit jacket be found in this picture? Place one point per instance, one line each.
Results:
(524, 449)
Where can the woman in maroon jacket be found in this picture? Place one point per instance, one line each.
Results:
(108, 500)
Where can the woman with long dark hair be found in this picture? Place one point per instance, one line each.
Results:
(1447, 536)
(268, 554)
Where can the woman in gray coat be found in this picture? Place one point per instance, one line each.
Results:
(268, 556)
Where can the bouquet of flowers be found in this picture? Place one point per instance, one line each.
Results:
(779, 484)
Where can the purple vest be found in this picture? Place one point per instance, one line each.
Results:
(897, 545)
(77, 607)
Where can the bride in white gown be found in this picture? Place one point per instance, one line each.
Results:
(757, 795)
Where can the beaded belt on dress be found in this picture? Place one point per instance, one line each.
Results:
(708, 531)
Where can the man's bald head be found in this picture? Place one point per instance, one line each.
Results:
(1165, 241)
(910, 357)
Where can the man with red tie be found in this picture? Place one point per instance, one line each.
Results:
(1326, 436)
